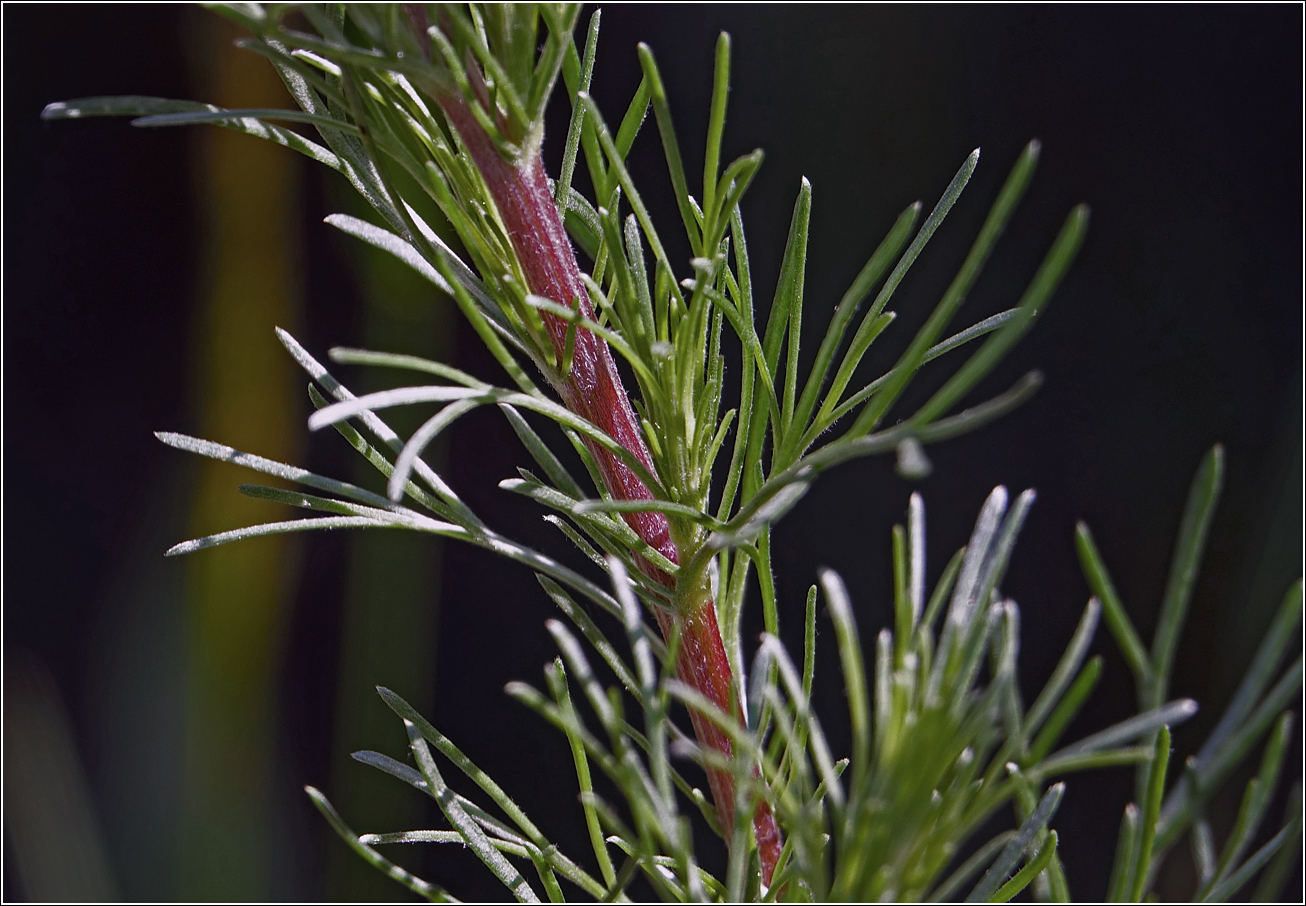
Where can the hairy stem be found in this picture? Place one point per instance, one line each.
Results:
(593, 389)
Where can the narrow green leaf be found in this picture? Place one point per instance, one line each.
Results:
(293, 525)
(1212, 773)
(846, 310)
(1032, 305)
(1196, 522)
(994, 224)
(1005, 862)
(1122, 881)
(372, 857)
(1117, 620)
(1151, 812)
(927, 230)
(1065, 711)
(464, 764)
(1283, 630)
(347, 356)
(234, 115)
(1176, 712)
(1203, 852)
(471, 832)
(787, 307)
(1256, 800)
(671, 147)
(1270, 887)
(968, 869)
(715, 127)
(1026, 875)
(1050, 697)
(541, 453)
(584, 781)
(1235, 881)
(854, 672)
(574, 128)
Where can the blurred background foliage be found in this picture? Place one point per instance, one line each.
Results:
(162, 716)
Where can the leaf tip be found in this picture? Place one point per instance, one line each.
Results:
(59, 110)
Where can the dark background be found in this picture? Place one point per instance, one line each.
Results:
(1179, 326)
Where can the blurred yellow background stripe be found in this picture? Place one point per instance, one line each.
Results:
(239, 595)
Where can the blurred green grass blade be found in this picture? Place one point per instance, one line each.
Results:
(1270, 887)
(1060, 765)
(968, 869)
(902, 615)
(1117, 620)
(1232, 884)
(1176, 712)
(943, 590)
(1066, 667)
(1011, 853)
(1183, 801)
(1203, 852)
(372, 857)
(1121, 869)
(1283, 630)
(1026, 875)
(995, 566)
(1256, 800)
(1142, 870)
(1196, 522)
(1066, 710)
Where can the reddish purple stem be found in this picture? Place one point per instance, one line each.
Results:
(593, 389)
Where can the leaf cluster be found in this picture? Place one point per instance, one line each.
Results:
(941, 737)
